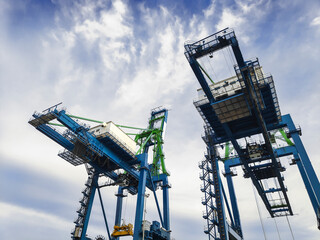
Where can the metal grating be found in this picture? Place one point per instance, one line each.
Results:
(232, 109)
(71, 158)
(42, 119)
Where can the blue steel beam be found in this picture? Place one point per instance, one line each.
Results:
(91, 198)
(120, 197)
(245, 163)
(104, 213)
(233, 200)
(55, 136)
(163, 179)
(222, 223)
(253, 131)
(304, 175)
(210, 44)
(165, 196)
(204, 85)
(74, 126)
(155, 198)
(279, 152)
(227, 205)
(143, 158)
(67, 121)
(305, 167)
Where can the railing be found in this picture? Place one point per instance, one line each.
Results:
(208, 42)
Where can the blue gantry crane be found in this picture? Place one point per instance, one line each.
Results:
(108, 152)
(242, 126)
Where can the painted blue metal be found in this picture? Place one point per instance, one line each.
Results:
(156, 198)
(143, 158)
(233, 200)
(165, 195)
(304, 175)
(227, 205)
(120, 197)
(89, 206)
(51, 133)
(156, 232)
(104, 213)
(218, 195)
(197, 71)
(307, 172)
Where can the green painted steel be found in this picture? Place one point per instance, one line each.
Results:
(284, 135)
(227, 150)
(204, 71)
(153, 137)
(97, 121)
(56, 124)
(130, 127)
(86, 119)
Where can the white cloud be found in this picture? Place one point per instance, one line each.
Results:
(159, 71)
(30, 223)
(108, 66)
(34, 216)
(210, 10)
(315, 21)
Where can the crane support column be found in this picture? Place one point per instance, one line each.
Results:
(221, 221)
(165, 192)
(143, 158)
(120, 197)
(306, 182)
(307, 172)
(233, 199)
(196, 69)
(90, 203)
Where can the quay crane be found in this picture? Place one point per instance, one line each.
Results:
(243, 124)
(108, 152)
(237, 112)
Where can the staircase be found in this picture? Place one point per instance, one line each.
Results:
(84, 204)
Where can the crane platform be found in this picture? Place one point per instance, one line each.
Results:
(107, 152)
(232, 104)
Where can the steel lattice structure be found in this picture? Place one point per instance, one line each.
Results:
(234, 110)
(107, 154)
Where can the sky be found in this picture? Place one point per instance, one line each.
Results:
(117, 60)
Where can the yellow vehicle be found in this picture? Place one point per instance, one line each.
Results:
(123, 230)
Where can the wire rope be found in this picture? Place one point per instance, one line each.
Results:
(214, 73)
(290, 227)
(275, 222)
(230, 71)
(255, 196)
(232, 56)
(230, 59)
